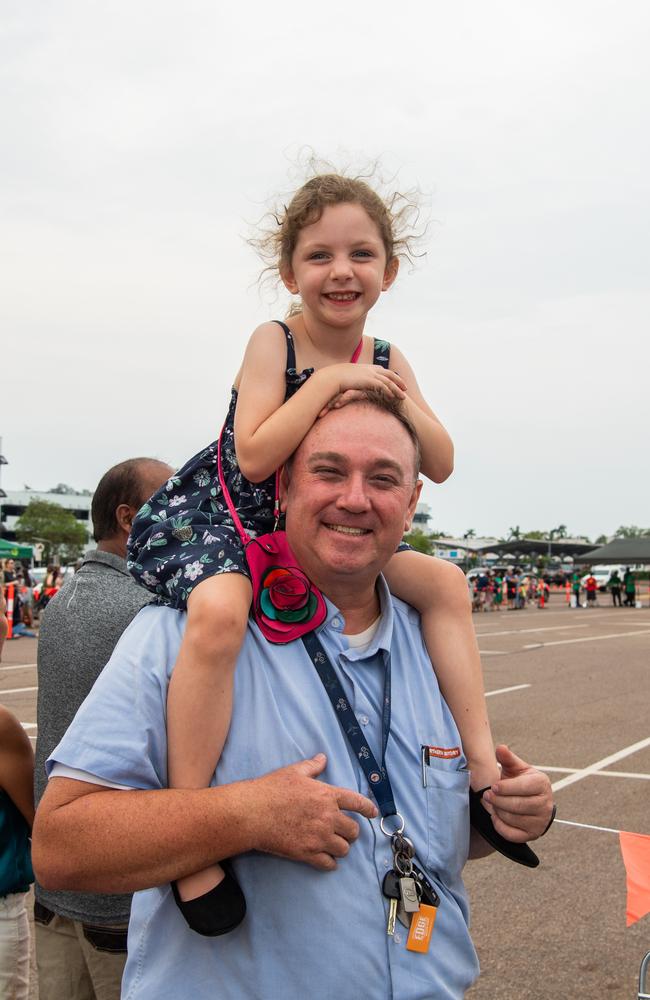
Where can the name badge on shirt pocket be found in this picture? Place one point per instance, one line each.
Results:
(447, 794)
(436, 756)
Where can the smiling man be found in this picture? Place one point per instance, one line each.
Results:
(349, 494)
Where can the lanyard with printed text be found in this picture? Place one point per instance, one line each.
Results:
(376, 774)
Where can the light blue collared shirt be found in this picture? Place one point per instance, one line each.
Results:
(307, 933)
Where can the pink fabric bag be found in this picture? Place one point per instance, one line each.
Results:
(286, 604)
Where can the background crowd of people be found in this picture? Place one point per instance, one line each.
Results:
(491, 590)
(29, 597)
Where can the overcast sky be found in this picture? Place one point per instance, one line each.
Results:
(139, 141)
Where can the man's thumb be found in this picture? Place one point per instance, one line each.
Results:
(313, 767)
(510, 761)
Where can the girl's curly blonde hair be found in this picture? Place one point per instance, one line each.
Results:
(396, 215)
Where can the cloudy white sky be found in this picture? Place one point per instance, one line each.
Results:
(139, 141)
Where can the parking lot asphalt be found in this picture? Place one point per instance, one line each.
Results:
(568, 690)
(560, 930)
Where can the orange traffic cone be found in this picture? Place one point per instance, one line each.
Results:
(10, 589)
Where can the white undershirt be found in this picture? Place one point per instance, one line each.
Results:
(361, 641)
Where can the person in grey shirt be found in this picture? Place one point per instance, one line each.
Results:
(81, 937)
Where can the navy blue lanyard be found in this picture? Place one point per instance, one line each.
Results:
(376, 774)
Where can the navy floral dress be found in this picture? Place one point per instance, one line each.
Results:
(185, 533)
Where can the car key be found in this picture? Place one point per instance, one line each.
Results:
(391, 891)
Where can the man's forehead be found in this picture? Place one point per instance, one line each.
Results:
(359, 431)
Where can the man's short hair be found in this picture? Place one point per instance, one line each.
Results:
(121, 484)
(389, 404)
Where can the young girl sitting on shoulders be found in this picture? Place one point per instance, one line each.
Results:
(337, 248)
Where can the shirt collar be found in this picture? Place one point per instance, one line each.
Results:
(335, 623)
(107, 559)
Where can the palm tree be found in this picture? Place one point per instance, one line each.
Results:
(514, 534)
(470, 533)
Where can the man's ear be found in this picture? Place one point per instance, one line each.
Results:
(288, 280)
(392, 267)
(413, 502)
(124, 515)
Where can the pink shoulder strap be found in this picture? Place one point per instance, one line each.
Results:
(241, 531)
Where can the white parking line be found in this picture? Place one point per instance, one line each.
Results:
(520, 631)
(599, 774)
(18, 666)
(586, 772)
(585, 638)
(493, 652)
(517, 687)
(587, 826)
(16, 690)
(29, 725)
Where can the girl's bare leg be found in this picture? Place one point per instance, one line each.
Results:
(199, 701)
(438, 590)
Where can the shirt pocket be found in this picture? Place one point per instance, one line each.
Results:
(447, 794)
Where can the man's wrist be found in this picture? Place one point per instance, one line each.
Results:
(238, 803)
(551, 820)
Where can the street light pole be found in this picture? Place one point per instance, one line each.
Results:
(550, 543)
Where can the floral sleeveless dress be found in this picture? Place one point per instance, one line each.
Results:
(184, 533)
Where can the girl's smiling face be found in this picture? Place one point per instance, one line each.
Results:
(339, 266)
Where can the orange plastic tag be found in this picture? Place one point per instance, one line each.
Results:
(421, 926)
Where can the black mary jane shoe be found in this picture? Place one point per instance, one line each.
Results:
(481, 820)
(218, 911)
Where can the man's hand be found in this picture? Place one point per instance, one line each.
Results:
(521, 801)
(303, 819)
(134, 839)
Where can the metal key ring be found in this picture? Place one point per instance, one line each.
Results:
(403, 865)
(389, 833)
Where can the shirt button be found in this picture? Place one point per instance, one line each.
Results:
(336, 622)
(386, 862)
(397, 938)
(364, 720)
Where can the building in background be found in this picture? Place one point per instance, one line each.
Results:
(15, 502)
(460, 550)
(422, 517)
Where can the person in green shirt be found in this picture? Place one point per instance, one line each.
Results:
(629, 585)
(614, 586)
(575, 587)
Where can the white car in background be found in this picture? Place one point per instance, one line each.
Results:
(602, 575)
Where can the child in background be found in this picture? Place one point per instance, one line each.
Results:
(337, 247)
(16, 875)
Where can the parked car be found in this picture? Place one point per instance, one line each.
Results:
(602, 575)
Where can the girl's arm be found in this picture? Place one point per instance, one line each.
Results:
(437, 446)
(16, 764)
(268, 430)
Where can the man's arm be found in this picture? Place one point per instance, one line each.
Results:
(520, 803)
(130, 840)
